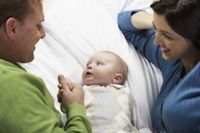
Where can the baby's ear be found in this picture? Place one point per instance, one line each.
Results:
(118, 79)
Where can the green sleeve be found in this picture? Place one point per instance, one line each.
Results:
(77, 121)
(27, 107)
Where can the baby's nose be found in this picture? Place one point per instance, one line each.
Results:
(89, 66)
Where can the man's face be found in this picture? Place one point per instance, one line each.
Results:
(29, 32)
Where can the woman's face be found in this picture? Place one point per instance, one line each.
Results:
(172, 45)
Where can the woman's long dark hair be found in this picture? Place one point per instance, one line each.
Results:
(183, 16)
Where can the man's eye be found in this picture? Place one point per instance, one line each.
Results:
(39, 26)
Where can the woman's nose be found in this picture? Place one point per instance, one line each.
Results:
(158, 39)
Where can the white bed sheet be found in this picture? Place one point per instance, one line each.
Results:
(76, 29)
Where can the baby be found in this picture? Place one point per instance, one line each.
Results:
(107, 101)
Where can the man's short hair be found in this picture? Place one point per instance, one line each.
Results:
(13, 8)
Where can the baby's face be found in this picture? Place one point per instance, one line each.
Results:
(100, 69)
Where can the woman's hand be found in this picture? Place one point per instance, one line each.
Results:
(142, 20)
(155, 0)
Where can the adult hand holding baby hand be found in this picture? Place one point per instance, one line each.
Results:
(69, 92)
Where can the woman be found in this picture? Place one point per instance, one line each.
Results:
(176, 53)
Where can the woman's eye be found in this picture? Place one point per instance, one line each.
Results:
(167, 37)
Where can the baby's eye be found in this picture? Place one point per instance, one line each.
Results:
(99, 63)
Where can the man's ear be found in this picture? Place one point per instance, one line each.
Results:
(118, 78)
(10, 27)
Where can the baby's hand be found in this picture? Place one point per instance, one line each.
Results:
(69, 92)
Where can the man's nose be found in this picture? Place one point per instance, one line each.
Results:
(42, 32)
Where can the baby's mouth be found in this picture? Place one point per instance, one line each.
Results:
(88, 73)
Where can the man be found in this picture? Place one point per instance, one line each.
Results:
(26, 104)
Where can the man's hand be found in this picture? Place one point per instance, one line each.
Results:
(69, 92)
